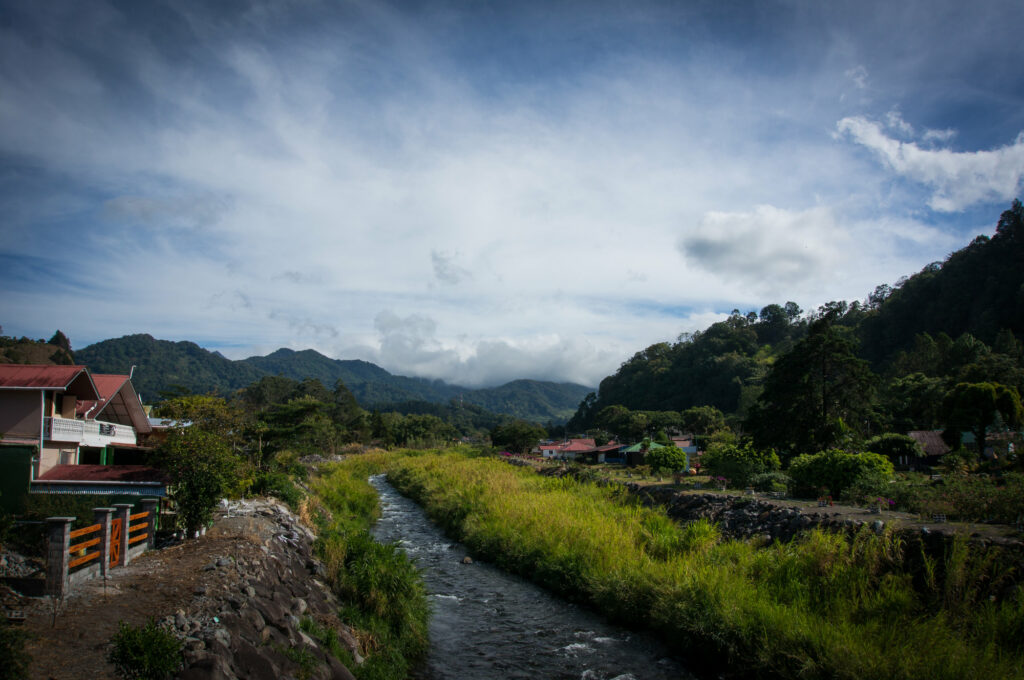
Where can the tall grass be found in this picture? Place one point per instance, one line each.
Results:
(822, 606)
(381, 592)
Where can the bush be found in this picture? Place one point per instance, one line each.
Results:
(279, 485)
(771, 481)
(288, 462)
(14, 660)
(968, 498)
(738, 463)
(835, 471)
(146, 653)
(669, 458)
(960, 461)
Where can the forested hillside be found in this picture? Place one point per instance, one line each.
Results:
(961, 320)
(164, 367)
(722, 366)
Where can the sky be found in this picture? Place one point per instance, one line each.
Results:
(485, 191)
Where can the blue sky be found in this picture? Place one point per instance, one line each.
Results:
(482, 191)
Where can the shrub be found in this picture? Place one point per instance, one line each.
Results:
(739, 463)
(700, 536)
(288, 461)
(669, 458)
(836, 471)
(14, 660)
(279, 485)
(771, 481)
(145, 653)
(960, 461)
(967, 497)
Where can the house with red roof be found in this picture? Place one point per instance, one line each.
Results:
(62, 429)
(570, 449)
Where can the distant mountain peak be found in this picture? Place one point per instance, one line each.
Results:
(165, 365)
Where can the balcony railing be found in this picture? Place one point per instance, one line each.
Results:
(89, 432)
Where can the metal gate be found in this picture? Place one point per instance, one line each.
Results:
(115, 542)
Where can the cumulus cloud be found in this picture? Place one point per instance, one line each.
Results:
(958, 179)
(286, 169)
(409, 345)
(766, 244)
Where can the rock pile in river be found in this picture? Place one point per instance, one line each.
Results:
(245, 622)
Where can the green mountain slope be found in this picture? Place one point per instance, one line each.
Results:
(165, 365)
(530, 399)
(162, 365)
(973, 300)
(978, 290)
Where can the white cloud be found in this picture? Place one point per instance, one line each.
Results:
(945, 135)
(859, 75)
(894, 119)
(816, 254)
(273, 192)
(765, 245)
(958, 179)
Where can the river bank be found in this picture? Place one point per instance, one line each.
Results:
(487, 623)
(823, 605)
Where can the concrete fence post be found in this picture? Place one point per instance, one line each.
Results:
(124, 511)
(151, 505)
(102, 516)
(58, 542)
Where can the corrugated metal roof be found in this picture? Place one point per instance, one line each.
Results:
(103, 473)
(38, 376)
(107, 386)
(579, 445)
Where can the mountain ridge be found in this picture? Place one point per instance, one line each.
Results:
(167, 366)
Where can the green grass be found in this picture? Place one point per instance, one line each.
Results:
(824, 606)
(382, 594)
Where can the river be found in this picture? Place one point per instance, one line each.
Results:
(487, 623)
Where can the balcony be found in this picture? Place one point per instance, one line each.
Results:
(88, 432)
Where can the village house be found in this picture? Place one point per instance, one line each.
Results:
(570, 449)
(64, 430)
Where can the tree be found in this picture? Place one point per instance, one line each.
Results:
(204, 412)
(896, 447)
(816, 394)
(519, 436)
(670, 458)
(613, 418)
(836, 471)
(974, 406)
(702, 420)
(1011, 223)
(738, 463)
(201, 468)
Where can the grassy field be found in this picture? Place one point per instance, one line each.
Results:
(825, 606)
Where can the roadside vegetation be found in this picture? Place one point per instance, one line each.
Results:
(868, 606)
